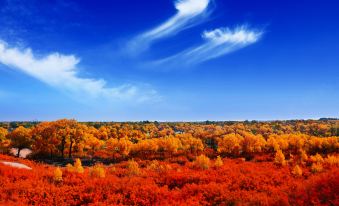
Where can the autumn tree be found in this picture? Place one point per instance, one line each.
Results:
(297, 171)
(57, 175)
(279, 158)
(45, 139)
(103, 133)
(21, 138)
(218, 162)
(66, 133)
(75, 135)
(252, 143)
(62, 133)
(277, 142)
(120, 147)
(303, 156)
(332, 160)
(4, 141)
(317, 167)
(133, 168)
(92, 144)
(145, 147)
(169, 145)
(202, 162)
(77, 167)
(230, 144)
(191, 144)
(98, 170)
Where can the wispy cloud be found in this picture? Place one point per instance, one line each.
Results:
(62, 72)
(189, 13)
(217, 43)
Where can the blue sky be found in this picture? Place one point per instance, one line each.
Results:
(168, 60)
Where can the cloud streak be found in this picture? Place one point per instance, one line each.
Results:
(189, 13)
(62, 72)
(217, 43)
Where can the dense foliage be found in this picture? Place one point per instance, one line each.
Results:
(229, 163)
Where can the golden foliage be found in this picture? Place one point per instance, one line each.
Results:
(76, 168)
(297, 171)
(303, 156)
(253, 143)
(218, 162)
(190, 143)
(70, 167)
(21, 138)
(169, 144)
(280, 158)
(121, 146)
(332, 160)
(98, 170)
(133, 167)
(317, 167)
(57, 175)
(156, 166)
(202, 162)
(112, 169)
(4, 141)
(317, 158)
(230, 144)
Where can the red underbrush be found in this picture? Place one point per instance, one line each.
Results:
(145, 182)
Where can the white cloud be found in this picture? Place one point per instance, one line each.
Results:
(189, 12)
(62, 72)
(217, 43)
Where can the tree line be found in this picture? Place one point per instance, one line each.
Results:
(69, 138)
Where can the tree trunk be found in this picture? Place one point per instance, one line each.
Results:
(62, 151)
(70, 149)
(63, 142)
(18, 154)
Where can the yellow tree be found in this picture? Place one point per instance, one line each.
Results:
(64, 129)
(125, 146)
(4, 141)
(121, 146)
(202, 162)
(252, 143)
(148, 146)
(75, 134)
(78, 166)
(303, 156)
(230, 144)
(191, 144)
(103, 133)
(21, 138)
(277, 142)
(92, 144)
(297, 171)
(296, 142)
(280, 158)
(218, 162)
(57, 175)
(133, 168)
(98, 170)
(169, 145)
(45, 139)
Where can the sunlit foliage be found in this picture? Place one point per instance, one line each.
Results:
(157, 163)
(218, 162)
(57, 175)
(280, 158)
(202, 162)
